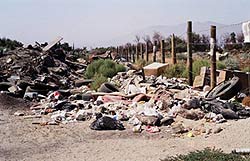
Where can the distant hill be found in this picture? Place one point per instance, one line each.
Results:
(165, 30)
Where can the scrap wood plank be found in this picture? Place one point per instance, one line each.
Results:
(52, 43)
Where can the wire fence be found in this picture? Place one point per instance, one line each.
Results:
(136, 49)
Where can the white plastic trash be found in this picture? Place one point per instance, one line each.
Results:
(246, 31)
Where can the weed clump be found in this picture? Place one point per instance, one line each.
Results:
(99, 79)
(180, 70)
(246, 69)
(107, 68)
(177, 70)
(232, 64)
(220, 65)
(208, 155)
(101, 70)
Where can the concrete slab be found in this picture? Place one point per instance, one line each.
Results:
(155, 69)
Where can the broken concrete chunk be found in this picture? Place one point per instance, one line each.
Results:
(154, 69)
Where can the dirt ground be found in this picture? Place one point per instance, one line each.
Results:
(22, 140)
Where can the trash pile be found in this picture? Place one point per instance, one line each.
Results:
(56, 86)
(31, 73)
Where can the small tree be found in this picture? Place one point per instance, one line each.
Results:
(147, 39)
(240, 37)
(225, 38)
(137, 38)
(229, 41)
(157, 36)
(233, 37)
(204, 39)
(181, 45)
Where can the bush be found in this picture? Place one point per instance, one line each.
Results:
(180, 70)
(232, 64)
(177, 70)
(245, 56)
(197, 64)
(10, 44)
(208, 155)
(229, 47)
(99, 79)
(107, 68)
(101, 70)
(220, 65)
(246, 69)
(140, 63)
(181, 56)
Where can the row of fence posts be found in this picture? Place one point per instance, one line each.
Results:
(140, 50)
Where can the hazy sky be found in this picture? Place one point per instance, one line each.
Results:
(86, 22)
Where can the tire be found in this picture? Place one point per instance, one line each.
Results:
(225, 90)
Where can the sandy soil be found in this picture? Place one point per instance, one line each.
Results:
(21, 140)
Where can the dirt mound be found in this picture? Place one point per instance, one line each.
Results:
(11, 103)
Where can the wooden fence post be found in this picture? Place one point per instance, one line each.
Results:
(126, 52)
(213, 58)
(141, 51)
(162, 51)
(137, 52)
(154, 51)
(129, 54)
(117, 49)
(173, 49)
(133, 53)
(189, 53)
(146, 51)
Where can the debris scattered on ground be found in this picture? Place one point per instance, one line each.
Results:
(55, 84)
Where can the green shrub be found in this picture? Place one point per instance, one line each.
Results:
(197, 64)
(180, 70)
(107, 68)
(99, 79)
(245, 56)
(181, 56)
(220, 65)
(10, 44)
(246, 69)
(140, 63)
(232, 64)
(119, 68)
(208, 155)
(177, 70)
(101, 70)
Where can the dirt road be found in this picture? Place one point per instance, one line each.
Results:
(21, 140)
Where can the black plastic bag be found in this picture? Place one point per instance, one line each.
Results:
(106, 123)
